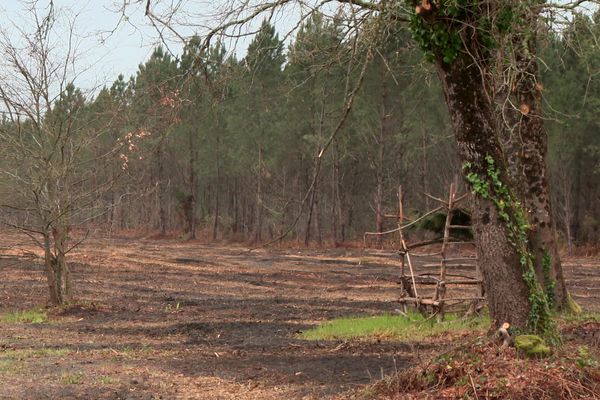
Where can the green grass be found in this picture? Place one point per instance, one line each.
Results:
(72, 379)
(13, 361)
(22, 354)
(25, 317)
(412, 327)
(105, 380)
(583, 317)
(8, 365)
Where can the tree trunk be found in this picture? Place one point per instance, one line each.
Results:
(51, 272)
(311, 207)
(527, 148)
(379, 205)
(380, 142)
(235, 205)
(193, 185)
(215, 231)
(507, 241)
(472, 115)
(335, 196)
(424, 165)
(57, 270)
(162, 215)
(318, 224)
(256, 235)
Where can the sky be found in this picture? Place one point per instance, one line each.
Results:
(107, 44)
(110, 43)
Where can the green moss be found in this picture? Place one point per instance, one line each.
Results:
(440, 37)
(571, 306)
(532, 346)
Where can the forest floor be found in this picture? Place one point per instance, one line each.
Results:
(171, 319)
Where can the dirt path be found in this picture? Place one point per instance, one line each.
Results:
(164, 319)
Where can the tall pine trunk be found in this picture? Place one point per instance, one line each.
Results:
(257, 230)
(215, 230)
(162, 213)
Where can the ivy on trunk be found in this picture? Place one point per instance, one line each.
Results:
(514, 232)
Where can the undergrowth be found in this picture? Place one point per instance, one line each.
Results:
(483, 369)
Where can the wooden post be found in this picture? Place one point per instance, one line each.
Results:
(441, 289)
(404, 249)
(400, 219)
(404, 289)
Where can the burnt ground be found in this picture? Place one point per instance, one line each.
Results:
(170, 319)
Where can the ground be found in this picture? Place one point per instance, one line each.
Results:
(172, 319)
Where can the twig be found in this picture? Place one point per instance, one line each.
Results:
(473, 386)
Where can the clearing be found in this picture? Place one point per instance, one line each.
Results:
(170, 319)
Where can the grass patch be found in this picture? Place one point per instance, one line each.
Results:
(31, 353)
(8, 365)
(413, 327)
(105, 380)
(582, 317)
(25, 317)
(72, 379)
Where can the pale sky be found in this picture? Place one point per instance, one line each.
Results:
(103, 55)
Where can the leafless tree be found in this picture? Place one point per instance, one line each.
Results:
(47, 138)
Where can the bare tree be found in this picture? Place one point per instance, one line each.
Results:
(47, 139)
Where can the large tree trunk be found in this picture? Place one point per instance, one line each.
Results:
(511, 217)
(476, 136)
(527, 142)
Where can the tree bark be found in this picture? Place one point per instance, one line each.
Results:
(511, 217)
(215, 231)
(311, 207)
(57, 269)
(162, 214)
(472, 115)
(256, 234)
(193, 184)
(527, 142)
